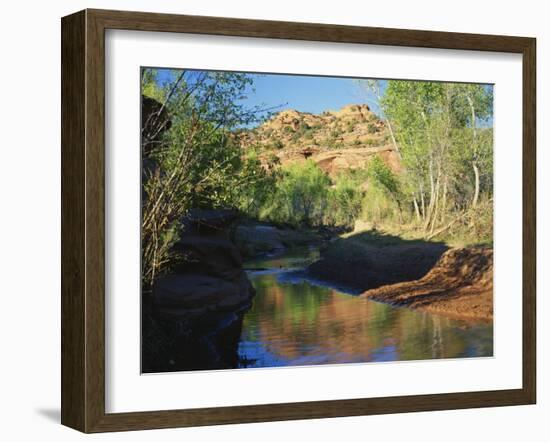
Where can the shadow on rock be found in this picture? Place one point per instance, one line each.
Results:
(371, 259)
(193, 317)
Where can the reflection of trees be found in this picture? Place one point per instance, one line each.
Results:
(297, 321)
(437, 345)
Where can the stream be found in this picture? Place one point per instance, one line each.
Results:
(297, 320)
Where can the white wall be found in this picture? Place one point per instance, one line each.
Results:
(30, 215)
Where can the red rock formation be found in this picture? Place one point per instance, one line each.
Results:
(460, 284)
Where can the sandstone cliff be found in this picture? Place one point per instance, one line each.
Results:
(335, 140)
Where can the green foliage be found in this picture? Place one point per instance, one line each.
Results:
(383, 176)
(444, 134)
(300, 195)
(371, 142)
(305, 196)
(308, 135)
(149, 86)
(195, 163)
(371, 128)
(345, 199)
(382, 202)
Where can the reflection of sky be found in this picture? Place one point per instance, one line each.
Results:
(297, 321)
(385, 354)
(255, 354)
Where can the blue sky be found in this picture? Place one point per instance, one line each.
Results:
(312, 94)
(306, 93)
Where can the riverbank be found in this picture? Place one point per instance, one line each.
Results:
(371, 259)
(425, 275)
(459, 285)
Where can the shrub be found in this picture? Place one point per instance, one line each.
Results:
(344, 202)
(296, 136)
(372, 128)
(384, 194)
(300, 196)
(371, 142)
(305, 196)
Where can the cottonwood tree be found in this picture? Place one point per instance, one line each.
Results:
(437, 128)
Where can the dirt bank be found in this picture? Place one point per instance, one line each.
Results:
(371, 259)
(459, 285)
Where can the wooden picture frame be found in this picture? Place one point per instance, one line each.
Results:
(83, 220)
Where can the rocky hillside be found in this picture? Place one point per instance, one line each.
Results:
(335, 140)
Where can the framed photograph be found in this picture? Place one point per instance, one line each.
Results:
(269, 220)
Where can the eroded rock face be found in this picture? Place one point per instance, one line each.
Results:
(336, 140)
(197, 312)
(460, 285)
(336, 161)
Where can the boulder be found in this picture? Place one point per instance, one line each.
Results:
(209, 275)
(190, 297)
(257, 239)
(209, 222)
(195, 314)
(209, 255)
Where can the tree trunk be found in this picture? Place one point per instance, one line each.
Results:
(476, 191)
(444, 202)
(422, 201)
(436, 206)
(416, 209)
(474, 142)
(432, 197)
(394, 142)
(437, 197)
(374, 86)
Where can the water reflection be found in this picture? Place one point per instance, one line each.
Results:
(297, 321)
